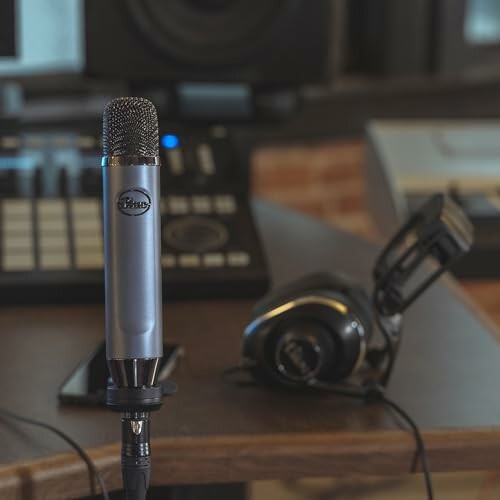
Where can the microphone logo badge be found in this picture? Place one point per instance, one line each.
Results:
(133, 202)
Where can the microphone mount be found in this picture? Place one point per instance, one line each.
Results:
(428, 244)
(438, 232)
(135, 405)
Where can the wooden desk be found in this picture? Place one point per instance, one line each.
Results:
(213, 431)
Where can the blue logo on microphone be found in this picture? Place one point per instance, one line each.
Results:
(133, 202)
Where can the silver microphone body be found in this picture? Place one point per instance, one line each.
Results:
(132, 271)
(132, 253)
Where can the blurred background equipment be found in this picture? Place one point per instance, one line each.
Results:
(7, 23)
(51, 238)
(415, 59)
(260, 42)
(443, 37)
(409, 160)
(210, 62)
(47, 36)
(224, 75)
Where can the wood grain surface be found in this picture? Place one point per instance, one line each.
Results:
(215, 431)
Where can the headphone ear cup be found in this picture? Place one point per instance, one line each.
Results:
(290, 352)
(305, 328)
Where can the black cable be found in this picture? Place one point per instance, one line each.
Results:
(420, 443)
(373, 395)
(388, 347)
(94, 473)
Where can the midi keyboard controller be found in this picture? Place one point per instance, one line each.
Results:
(51, 235)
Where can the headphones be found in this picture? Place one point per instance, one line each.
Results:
(318, 331)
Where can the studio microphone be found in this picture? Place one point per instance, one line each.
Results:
(131, 211)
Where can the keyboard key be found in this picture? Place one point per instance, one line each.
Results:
(87, 226)
(89, 259)
(175, 161)
(213, 260)
(53, 242)
(85, 208)
(168, 260)
(178, 205)
(206, 159)
(86, 142)
(55, 225)
(16, 209)
(10, 142)
(18, 261)
(189, 260)
(201, 204)
(17, 226)
(52, 234)
(17, 242)
(238, 259)
(54, 260)
(88, 240)
(225, 204)
(51, 208)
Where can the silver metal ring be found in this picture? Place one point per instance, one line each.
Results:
(125, 161)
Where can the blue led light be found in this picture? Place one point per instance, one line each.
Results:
(169, 141)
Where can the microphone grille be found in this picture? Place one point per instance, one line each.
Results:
(130, 128)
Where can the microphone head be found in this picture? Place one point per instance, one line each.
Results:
(130, 128)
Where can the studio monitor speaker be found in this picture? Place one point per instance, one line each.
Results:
(257, 41)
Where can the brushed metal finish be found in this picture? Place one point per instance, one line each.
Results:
(133, 292)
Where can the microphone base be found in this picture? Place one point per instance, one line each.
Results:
(134, 399)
